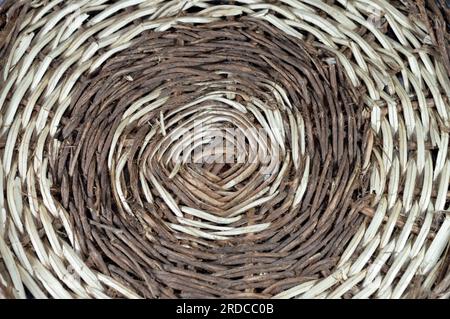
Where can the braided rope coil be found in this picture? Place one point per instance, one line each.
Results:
(330, 178)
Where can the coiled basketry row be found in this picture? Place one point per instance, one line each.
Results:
(239, 149)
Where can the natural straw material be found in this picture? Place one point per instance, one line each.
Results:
(348, 100)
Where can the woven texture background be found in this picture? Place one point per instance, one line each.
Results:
(348, 98)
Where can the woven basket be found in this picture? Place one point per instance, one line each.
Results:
(104, 106)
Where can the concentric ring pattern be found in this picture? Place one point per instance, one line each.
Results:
(166, 149)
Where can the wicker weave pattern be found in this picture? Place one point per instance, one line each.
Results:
(354, 94)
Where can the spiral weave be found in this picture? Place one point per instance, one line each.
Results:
(331, 178)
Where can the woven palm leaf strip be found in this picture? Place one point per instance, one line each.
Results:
(98, 99)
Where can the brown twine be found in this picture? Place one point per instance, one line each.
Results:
(436, 16)
(301, 243)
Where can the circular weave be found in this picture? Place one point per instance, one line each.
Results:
(224, 149)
